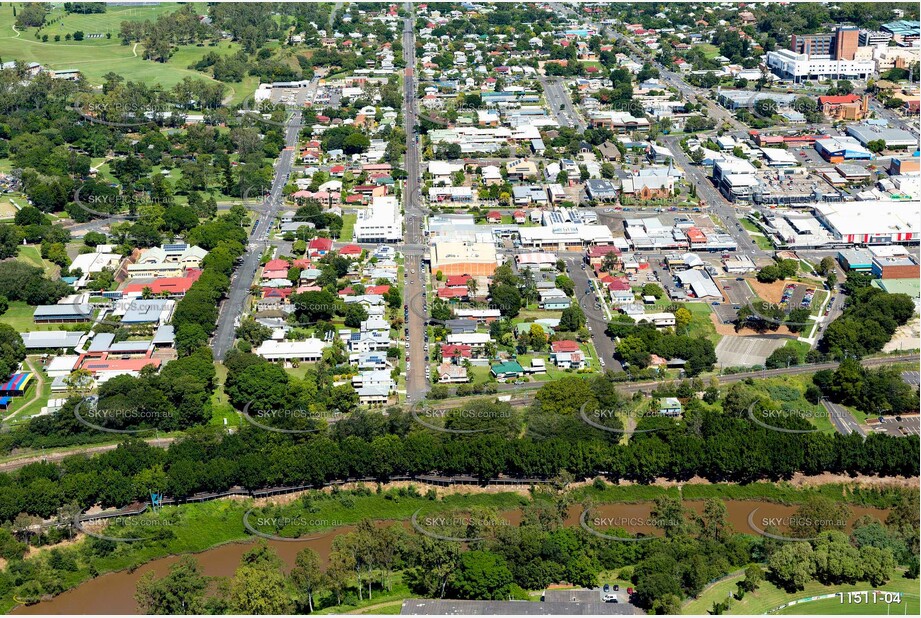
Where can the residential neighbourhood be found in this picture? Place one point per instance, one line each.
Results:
(459, 297)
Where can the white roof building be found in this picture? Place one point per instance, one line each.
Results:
(380, 222)
(309, 350)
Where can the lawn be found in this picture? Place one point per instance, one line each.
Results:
(220, 404)
(708, 50)
(348, 227)
(701, 326)
(30, 404)
(7, 209)
(757, 235)
(769, 597)
(31, 255)
(96, 57)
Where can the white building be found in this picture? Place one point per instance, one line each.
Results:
(788, 64)
(381, 222)
(309, 350)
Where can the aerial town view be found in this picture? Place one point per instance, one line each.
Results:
(460, 308)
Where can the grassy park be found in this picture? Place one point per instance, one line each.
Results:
(94, 57)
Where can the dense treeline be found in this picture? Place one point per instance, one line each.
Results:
(876, 391)
(869, 321)
(714, 445)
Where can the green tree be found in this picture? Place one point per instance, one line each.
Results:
(481, 575)
(181, 591)
(792, 566)
(307, 576)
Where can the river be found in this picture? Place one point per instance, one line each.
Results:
(113, 593)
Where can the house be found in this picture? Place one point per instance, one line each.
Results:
(166, 261)
(308, 350)
(461, 325)
(509, 370)
(519, 216)
(521, 169)
(456, 353)
(566, 354)
(172, 287)
(369, 360)
(659, 320)
(553, 300)
(378, 377)
(375, 395)
(319, 247)
(350, 251)
(452, 374)
(494, 216)
(670, 406)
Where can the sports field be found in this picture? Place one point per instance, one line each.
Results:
(769, 597)
(96, 57)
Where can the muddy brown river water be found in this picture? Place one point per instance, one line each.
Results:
(113, 593)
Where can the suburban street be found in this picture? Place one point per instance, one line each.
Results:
(414, 216)
(594, 313)
(242, 279)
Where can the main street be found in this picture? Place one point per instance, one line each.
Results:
(714, 199)
(414, 217)
(242, 279)
(561, 103)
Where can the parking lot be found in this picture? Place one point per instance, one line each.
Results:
(746, 351)
(912, 377)
(908, 426)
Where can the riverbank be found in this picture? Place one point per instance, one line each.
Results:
(216, 528)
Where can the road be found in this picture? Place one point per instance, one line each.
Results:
(242, 279)
(414, 215)
(561, 103)
(594, 314)
(842, 419)
(524, 393)
(714, 200)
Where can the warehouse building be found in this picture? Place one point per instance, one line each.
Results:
(871, 222)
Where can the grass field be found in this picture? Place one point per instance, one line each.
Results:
(769, 597)
(7, 210)
(701, 326)
(348, 227)
(96, 57)
(757, 235)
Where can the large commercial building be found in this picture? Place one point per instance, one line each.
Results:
(872, 222)
(839, 45)
(894, 138)
(381, 222)
(477, 259)
(790, 65)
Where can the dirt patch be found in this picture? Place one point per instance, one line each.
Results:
(771, 292)
(802, 480)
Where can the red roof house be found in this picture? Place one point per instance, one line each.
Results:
(319, 246)
(566, 345)
(457, 281)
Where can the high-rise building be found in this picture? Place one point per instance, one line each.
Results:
(838, 45)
